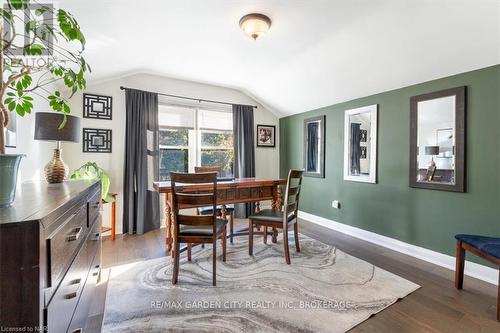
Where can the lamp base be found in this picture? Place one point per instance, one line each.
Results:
(56, 171)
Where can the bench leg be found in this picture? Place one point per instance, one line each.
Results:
(459, 267)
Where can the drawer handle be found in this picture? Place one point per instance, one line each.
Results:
(71, 295)
(76, 281)
(75, 235)
(78, 330)
(98, 269)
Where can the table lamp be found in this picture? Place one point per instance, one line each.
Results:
(47, 129)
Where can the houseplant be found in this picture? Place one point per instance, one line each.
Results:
(48, 50)
(91, 170)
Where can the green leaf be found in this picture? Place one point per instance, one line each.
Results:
(18, 4)
(40, 11)
(91, 170)
(69, 27)
(63, 123)
(5, 14)
(34, 49)
(20, 110)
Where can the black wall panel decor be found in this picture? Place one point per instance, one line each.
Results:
(97, 106)
(97, 140)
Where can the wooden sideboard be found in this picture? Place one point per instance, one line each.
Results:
(50, 256)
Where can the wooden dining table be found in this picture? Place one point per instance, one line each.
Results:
(234, 191)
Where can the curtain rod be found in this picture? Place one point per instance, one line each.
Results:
(189, 98)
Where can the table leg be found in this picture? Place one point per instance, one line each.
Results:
(168, 222)
(223, 212)
(113, 220)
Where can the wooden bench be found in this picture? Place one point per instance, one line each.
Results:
(485, 247)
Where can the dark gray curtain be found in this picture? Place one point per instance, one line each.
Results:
(141, 208)
(312, 146)
(355, 148)
(244, 150)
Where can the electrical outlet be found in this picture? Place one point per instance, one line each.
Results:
(336, 204)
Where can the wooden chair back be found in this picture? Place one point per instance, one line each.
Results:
(181, 198)
(199, 169)
(292, 194)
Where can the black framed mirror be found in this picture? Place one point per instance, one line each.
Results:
(437, 140)
(314, 147)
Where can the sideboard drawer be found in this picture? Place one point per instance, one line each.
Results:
(94, 239)
(62, 245)
(82, 309)
(62, 305)
(94, 206)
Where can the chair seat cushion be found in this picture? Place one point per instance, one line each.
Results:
(270, 215)
(488, 245)
(202, 230)
(208, 210)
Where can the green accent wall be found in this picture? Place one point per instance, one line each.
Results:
(425, 218)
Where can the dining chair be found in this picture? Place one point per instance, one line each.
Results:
(275, 218)
(208, 210)
(196, 229)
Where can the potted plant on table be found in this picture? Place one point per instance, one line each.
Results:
(47, 50)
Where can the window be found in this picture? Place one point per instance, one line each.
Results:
(193, 136)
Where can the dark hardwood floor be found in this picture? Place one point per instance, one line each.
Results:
(436, 307)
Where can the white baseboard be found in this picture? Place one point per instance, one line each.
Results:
(472, 269)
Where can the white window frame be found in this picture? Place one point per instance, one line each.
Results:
(194, 136)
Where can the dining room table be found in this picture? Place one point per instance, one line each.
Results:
(229, 191)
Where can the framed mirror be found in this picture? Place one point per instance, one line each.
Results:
(437, 140)
(314, 147)
(360, 144)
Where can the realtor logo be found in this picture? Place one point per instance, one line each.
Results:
(29, 29)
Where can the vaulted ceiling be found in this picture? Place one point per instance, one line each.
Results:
(317, 52)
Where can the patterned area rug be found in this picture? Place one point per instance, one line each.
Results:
(323, 290)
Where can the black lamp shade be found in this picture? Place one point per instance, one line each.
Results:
(431, 150)
(47, 127)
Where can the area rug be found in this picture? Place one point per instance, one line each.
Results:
(323, 290)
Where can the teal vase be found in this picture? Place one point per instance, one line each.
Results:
(9, 167)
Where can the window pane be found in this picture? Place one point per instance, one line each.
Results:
(216, 157)
(174, 137)
(176, 116)
(217, 139)
(173, 160)
(209, 119)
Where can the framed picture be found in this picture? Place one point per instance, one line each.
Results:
(266, 136)
(97, 106)
(97, 140)
(360, 144)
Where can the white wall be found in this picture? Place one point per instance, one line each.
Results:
(267, 159)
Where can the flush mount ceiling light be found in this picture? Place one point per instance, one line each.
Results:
(255, 25)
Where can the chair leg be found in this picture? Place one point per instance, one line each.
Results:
(459, 266)
(231, 227)
(176, 252)
(296, 235)
(223, 241)
(214, 262)
(189, 246)
(285, 243)
(250, 237)
(265, 235)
